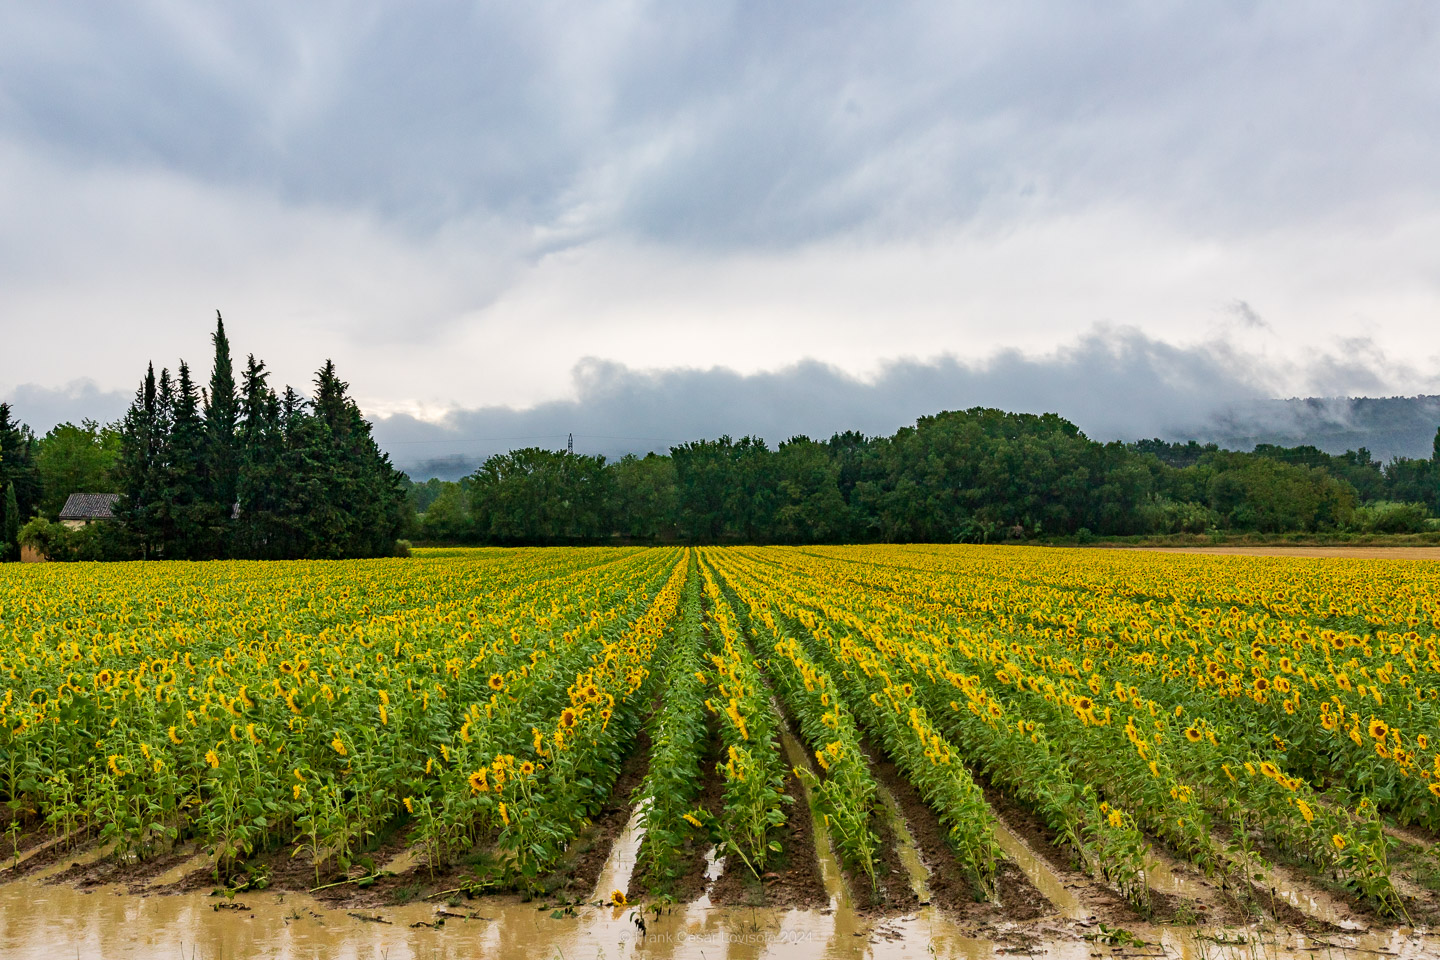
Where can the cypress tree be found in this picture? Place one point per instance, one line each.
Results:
(10, 538)
(261, 445)
(363, 487)
(194, 517)
(138, 467)
(17, 461)
(222, 459)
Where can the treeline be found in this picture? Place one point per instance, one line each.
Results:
(224, 470)
(974, 476)
(239, 470)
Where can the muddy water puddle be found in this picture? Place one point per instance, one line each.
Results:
(49, 922)
(830, 873)
(906, 848)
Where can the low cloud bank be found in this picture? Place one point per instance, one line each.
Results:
(1116, 385)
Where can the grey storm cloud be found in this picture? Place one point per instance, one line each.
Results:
(740, 123)
(460, 201)
(1115, 384)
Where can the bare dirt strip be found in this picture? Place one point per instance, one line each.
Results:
(1351, 553)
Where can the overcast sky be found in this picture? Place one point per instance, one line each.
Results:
(1119, 211)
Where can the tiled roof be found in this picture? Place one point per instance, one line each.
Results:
(89, 506)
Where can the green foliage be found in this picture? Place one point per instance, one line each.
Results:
(101, 540)
(1270, 496)
(10, 526)
(307, 478)
(17, 463)
(73, 459)
(541, 496)
(1387, 516)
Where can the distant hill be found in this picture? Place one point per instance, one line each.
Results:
(1388, 426)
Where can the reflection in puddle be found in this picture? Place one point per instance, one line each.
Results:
(830, 873)
(1039, 873)
(42, 922)
(620, 864)
(906, 849)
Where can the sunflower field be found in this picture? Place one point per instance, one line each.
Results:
(1224, 709)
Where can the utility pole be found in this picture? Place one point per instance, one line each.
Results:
(570, 445)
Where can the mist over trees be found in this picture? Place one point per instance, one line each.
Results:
(233, 467)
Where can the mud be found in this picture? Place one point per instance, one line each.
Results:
(40, 922)
(588, 852)
(693, 882)
(902, 883)
(793, 880)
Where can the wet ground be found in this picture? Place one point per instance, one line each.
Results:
(63, 909)
(40, 921)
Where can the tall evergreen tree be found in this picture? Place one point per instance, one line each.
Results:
(137, 472)
(17, 461)
(194, 517)
(361, 490)
(258, 534)
(222, 456)
(10, 528)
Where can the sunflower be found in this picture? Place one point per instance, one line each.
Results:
(1378, 729)
(1423, 742)
(477, 781)
(1192, 734)
(526, 768)
(497, 682)
(1338, 841)
(617, 898)
(568, 718)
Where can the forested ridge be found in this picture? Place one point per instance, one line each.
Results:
(236, 468)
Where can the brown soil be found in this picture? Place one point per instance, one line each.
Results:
(892, 892)
(691, 883)
(950, 888)
(47, 857)
(793, 880)
(580, 869)
(1353, 553)
(1102, 901)
(11, 846)
(1284, 912)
